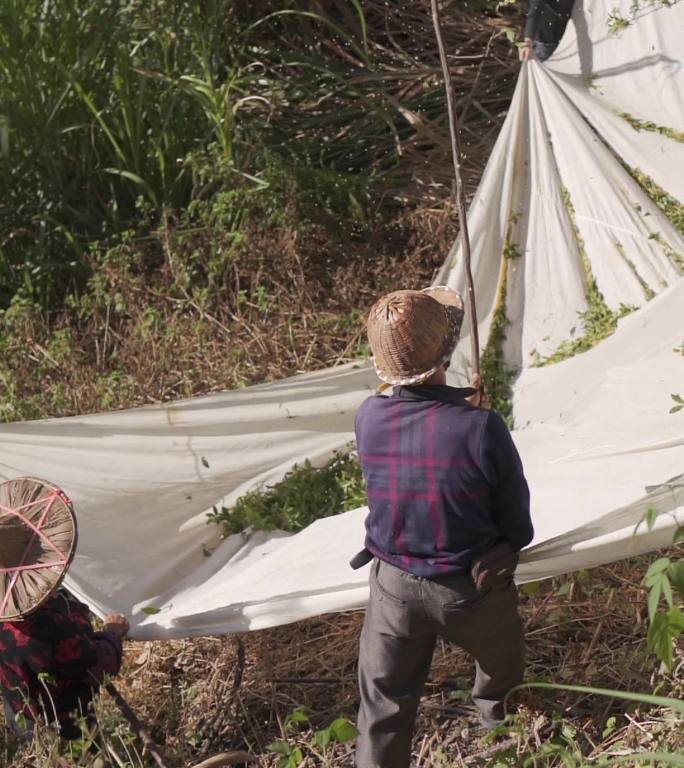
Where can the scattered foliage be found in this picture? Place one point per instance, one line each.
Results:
(664, 626)
(647, 125)
(307, 493)
(496, 375)
(618, 22)
(201, 196)
(114, 113)
(598, 320)
(318, 747)
(670, 206)
(649, 293)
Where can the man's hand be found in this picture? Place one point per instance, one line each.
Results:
(118, 623)
(525, 52)
(479, 399)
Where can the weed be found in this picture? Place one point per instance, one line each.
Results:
(598, 321)
(320, 746)
(617, 22)
(670, 206)
(647, 125)
(105, 735)
(306, 494)
(496, 375)
(116, 115)
(648, 291)
(664, 626)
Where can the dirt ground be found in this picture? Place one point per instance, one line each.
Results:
(209, 695)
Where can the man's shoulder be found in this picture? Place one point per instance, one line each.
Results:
(465, 419)
(373, 402)
(451, 413)
(372, 413)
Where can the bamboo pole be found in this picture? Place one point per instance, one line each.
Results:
(460, 190)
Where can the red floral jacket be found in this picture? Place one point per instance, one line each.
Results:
(52, 660)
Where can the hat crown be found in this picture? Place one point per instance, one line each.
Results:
(407, 307)
(15, 539)
(412, 333)
(37, 542)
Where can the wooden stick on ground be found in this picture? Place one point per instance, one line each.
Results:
(460, 190)
(142, 732)
(226, 758)
(222, 759)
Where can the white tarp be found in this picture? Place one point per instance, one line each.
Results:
(564, 146)
(598, 443)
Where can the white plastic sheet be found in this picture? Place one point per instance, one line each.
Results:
(560, 164)
(598, 443)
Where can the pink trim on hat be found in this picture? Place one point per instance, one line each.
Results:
(37, 531)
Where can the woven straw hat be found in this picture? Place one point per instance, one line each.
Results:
(37, 544)
(413, 333)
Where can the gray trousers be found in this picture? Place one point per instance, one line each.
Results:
(405, 615)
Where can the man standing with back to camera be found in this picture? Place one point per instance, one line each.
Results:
(448, 513)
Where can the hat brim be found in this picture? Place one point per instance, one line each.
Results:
(453, 304)
(40, 533)
(445, 295)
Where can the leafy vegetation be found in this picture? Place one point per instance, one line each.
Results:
(665, 626)
(117, 112)
(598, 321)
(307, 493)
(197, 196)
(618, 22)
(182, 185)
(649, 293)
(340, 731)
(669, 205)
(496, 375)
(647, 125)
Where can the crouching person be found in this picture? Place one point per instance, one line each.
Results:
(51, 659)
(448, 512)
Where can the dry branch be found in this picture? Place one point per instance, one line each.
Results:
(460, 191)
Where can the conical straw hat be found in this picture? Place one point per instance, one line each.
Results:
(413, 333)
(37, 543)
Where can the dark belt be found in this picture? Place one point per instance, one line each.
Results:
(361, 558)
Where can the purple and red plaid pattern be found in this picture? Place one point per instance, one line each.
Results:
(444, 480)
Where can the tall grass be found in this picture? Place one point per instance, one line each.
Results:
(112, 111)
(104, 102)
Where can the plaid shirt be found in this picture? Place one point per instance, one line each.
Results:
(47, 658)
(444, 480)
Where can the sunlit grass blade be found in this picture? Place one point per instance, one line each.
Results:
(641, 698)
